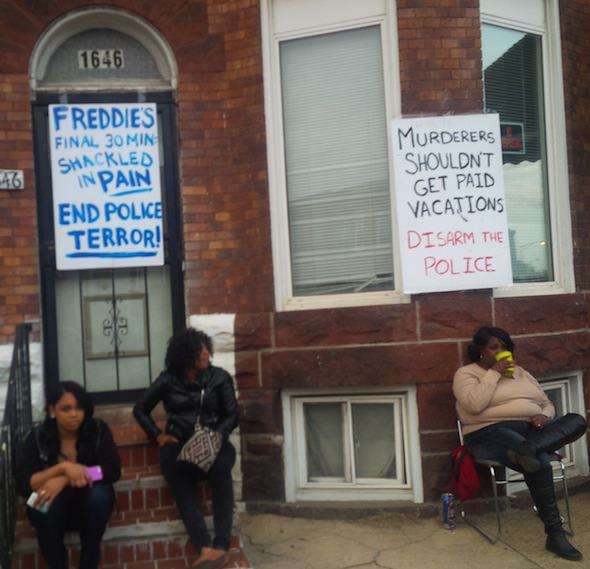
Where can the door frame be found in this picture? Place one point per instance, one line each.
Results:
(173, 240)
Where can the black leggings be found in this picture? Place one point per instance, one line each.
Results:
(86, 510)
(183, 477)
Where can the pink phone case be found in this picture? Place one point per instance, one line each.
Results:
(95, 473)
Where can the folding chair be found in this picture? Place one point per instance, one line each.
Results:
(493, 467)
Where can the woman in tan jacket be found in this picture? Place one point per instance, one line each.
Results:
(509, 419)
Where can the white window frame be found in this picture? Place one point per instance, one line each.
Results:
(297, 486)
(348, 19)
(541, 17)
(576, 459)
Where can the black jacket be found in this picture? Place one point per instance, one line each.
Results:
(40, 449)
(181, 400)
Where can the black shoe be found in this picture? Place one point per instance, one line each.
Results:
(558, 544)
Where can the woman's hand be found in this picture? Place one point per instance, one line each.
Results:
(77, 474)
(539, 420)
(50, 489)
(165, 439)
(502, 366)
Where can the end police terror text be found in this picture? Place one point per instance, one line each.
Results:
(83, 214)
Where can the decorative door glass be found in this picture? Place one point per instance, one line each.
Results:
(113, 326)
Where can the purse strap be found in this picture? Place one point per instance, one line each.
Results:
(197, 422)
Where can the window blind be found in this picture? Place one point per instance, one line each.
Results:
(337, 177)
(513, 81)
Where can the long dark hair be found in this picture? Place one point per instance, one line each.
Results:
(49, 431)
(183, 348)
(483, 336)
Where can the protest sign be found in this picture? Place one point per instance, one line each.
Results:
(451, 210)
(107, 204)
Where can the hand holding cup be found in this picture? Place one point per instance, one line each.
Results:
(505, 357)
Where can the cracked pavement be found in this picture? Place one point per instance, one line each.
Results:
(403, 541)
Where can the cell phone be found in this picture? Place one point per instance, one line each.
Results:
(43, 508)
(94, 473)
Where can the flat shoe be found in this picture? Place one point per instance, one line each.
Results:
(212, 563)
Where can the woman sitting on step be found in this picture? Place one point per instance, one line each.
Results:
(66, 468)
(194, 390)
(506, 417)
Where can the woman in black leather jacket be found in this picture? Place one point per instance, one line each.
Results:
(59, 461)
(188, 371)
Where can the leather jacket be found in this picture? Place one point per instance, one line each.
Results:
(40, 450)
(182, 403)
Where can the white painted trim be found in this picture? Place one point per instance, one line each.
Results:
(405, 397)
(77, 21)
(281, 251)
(557, 164)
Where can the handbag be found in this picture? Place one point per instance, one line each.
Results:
(465, 482)
(203, 446)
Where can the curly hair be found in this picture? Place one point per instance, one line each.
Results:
(482, 337)
(183, 348)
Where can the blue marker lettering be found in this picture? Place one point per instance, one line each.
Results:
(76, 234)
(59, 114)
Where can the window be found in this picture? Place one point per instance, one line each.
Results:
(523, 84)
(567, 396)
(328, 74)
(563, 394)
(340, 444)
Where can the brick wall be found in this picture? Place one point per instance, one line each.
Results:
(227, 230)
(575, 39)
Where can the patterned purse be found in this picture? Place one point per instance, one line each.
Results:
(203, 446)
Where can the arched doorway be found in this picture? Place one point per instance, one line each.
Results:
(111, 261)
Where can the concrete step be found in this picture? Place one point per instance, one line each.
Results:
(147, 546)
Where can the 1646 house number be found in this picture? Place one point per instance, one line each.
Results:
(101, 59)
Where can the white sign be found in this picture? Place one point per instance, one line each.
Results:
(107, 204)
(12, 180)
(451, 210)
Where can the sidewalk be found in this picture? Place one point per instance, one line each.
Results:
(401, 541)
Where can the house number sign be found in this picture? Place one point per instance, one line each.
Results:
(12, 180)
(101, 59)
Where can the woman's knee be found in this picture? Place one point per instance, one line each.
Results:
(99, 499)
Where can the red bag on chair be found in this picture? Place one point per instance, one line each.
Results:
(465, 482)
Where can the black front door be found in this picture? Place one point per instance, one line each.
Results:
(107, 329)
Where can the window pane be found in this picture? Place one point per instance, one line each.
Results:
(513, 83)
(556, 396)
(336, 162)
(323, 438)
(374, 440)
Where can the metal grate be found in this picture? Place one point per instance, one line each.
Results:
(16, 423)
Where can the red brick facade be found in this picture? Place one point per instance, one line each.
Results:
(226, 220)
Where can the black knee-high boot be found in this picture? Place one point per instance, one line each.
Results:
(553, 436)
(542, 491)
